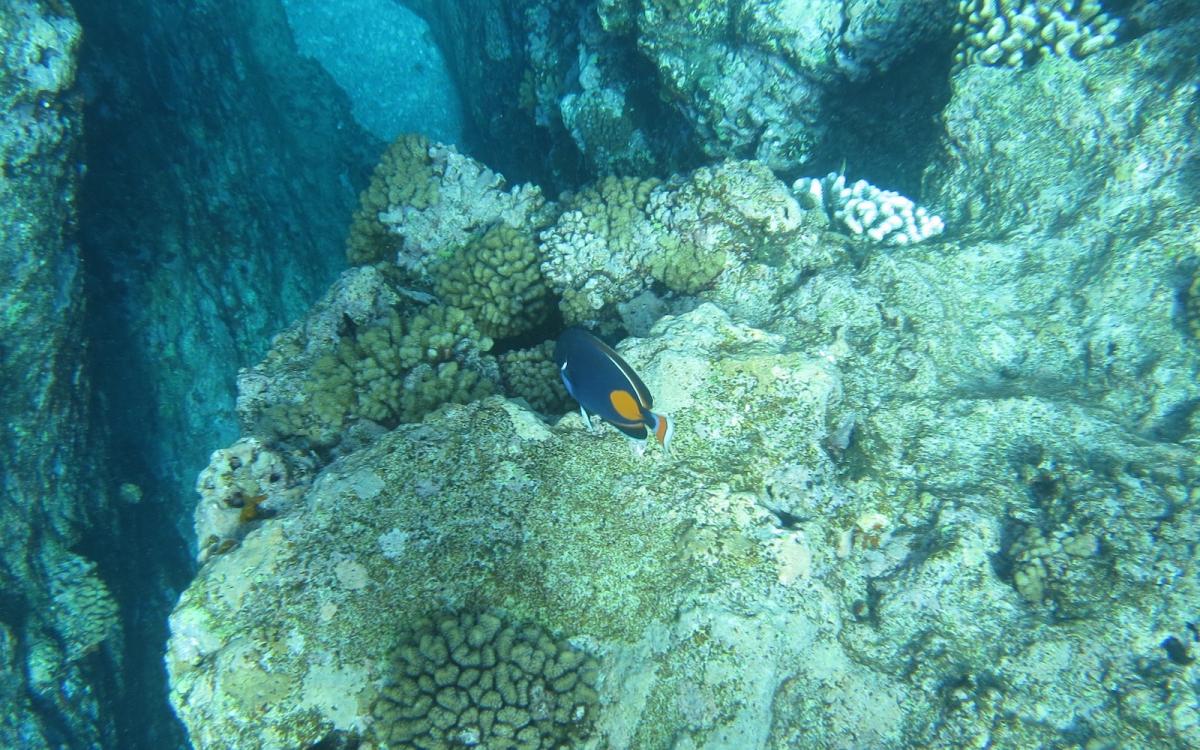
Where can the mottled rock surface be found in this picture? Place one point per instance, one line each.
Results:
(193, 210)
(486, 505)
(58, 625)
(768, 574)
(935, 496)
(651, 88)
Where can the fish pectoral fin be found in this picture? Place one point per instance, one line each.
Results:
(587, 419)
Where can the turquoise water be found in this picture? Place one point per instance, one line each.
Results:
(884, 435)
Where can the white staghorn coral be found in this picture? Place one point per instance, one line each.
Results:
(883, 216)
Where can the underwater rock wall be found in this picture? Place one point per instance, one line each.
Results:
(656, 87)
(186, 166)
(1097, 233)
(383, 57)
(59, 634)
(936, 495)
(222, 169)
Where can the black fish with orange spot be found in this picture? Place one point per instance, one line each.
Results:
(605, 385)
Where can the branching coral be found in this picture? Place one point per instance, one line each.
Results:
(395, 370)
(387, 373)
(532, 375)
(615, 238)
(497, 280)
(403, 177)
(471, 198)
(594, 252)
(880, 215)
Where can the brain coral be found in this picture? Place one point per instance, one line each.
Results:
(470, 679)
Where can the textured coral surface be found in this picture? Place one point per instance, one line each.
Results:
(921, 494)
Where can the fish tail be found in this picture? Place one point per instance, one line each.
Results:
(664, 430)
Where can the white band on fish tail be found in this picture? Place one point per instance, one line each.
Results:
(664, 430)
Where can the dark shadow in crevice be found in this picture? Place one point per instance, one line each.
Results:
(886, 129)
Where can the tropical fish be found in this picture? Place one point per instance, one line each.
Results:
(605, 385)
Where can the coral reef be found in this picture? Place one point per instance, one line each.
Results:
(502, 256)
(471, 503)
(392, 371)
(1041, 563)
(467, 678)
(427, 199)
(497, 280)
(923, 499)
(83, 609)
(1016, 33)
(717, 216)
(615, 136)
(616, 237)
(470, 199)
(660, 87)
(433, 507)
(531, 374)
(596, 248)
(762, 88)
(370, 355)
(404, 176)
(882, 216)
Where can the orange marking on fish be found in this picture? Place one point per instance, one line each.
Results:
(625, 405)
